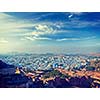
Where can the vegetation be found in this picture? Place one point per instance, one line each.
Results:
(55, 73)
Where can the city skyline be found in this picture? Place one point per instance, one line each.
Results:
(54, 32)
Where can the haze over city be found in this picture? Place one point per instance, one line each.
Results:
(49, 32)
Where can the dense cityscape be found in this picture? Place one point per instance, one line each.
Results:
(48, 61)
(49, 71)
(50, 50)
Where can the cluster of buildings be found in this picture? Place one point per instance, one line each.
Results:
(47, 61)
(32, 71)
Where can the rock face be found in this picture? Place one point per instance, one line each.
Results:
(6, 69)
(2, 64)
(14, 80)
(9, 79)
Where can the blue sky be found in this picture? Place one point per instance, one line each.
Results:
(54, 32)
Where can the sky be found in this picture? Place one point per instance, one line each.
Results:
(50, 32)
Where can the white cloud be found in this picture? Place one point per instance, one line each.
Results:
(67, 39)
(77, 23)
(43, 28)
(43, 38)
(48, 28)
(30, 38)
(36, 38)
(2, 40)
(70, 16)
(76, 39)
(9, 24)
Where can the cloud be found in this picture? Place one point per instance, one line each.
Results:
(11, 25)
(43, 28)
(83, 24)
(68, 39)
(77, 23)
(59, 40)
(4, 16)
(47, 29)
(76, 39)
(29, 38)
(2, 40)
(36, 38)
(43, 38)
(39, 17)
(70, 16)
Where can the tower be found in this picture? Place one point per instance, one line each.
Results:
(17, 71)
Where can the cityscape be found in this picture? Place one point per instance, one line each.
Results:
(50, 71)
(50, 50)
